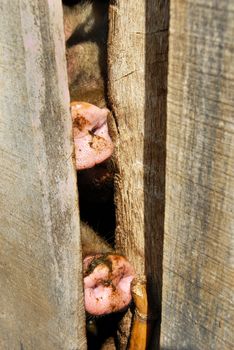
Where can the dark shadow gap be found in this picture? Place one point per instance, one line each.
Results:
(102, 331)
(96, 200)
(156, 58)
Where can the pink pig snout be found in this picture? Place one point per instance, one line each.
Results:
(107, 282)
(93, 144)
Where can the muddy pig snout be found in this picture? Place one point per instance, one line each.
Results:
(107, 280)
(93, 144)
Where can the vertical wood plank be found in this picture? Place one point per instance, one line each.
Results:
(40, 261)
(138, 46)
(198, 275)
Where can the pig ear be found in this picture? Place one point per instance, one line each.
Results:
(93, 144)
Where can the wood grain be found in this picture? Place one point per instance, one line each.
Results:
(138, 43)
(198, 275)
(40, 263)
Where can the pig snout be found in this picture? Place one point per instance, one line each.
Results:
(93, 144)
(107, 280)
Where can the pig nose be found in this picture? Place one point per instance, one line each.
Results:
(107, 281)
(93, 144)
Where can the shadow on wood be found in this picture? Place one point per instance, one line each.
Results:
(156, 63)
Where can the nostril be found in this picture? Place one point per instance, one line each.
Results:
(91, 132)
(98, 126)
(94, 129)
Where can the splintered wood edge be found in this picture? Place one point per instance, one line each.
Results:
(139, 294)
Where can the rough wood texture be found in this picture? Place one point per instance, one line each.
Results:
(137, 89)
(198, 251)
(40, 262)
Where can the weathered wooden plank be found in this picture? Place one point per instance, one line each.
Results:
(198, 245)
(138, 75)
(40, 262)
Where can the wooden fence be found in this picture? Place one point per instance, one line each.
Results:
(175, 162)
(40, 261)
